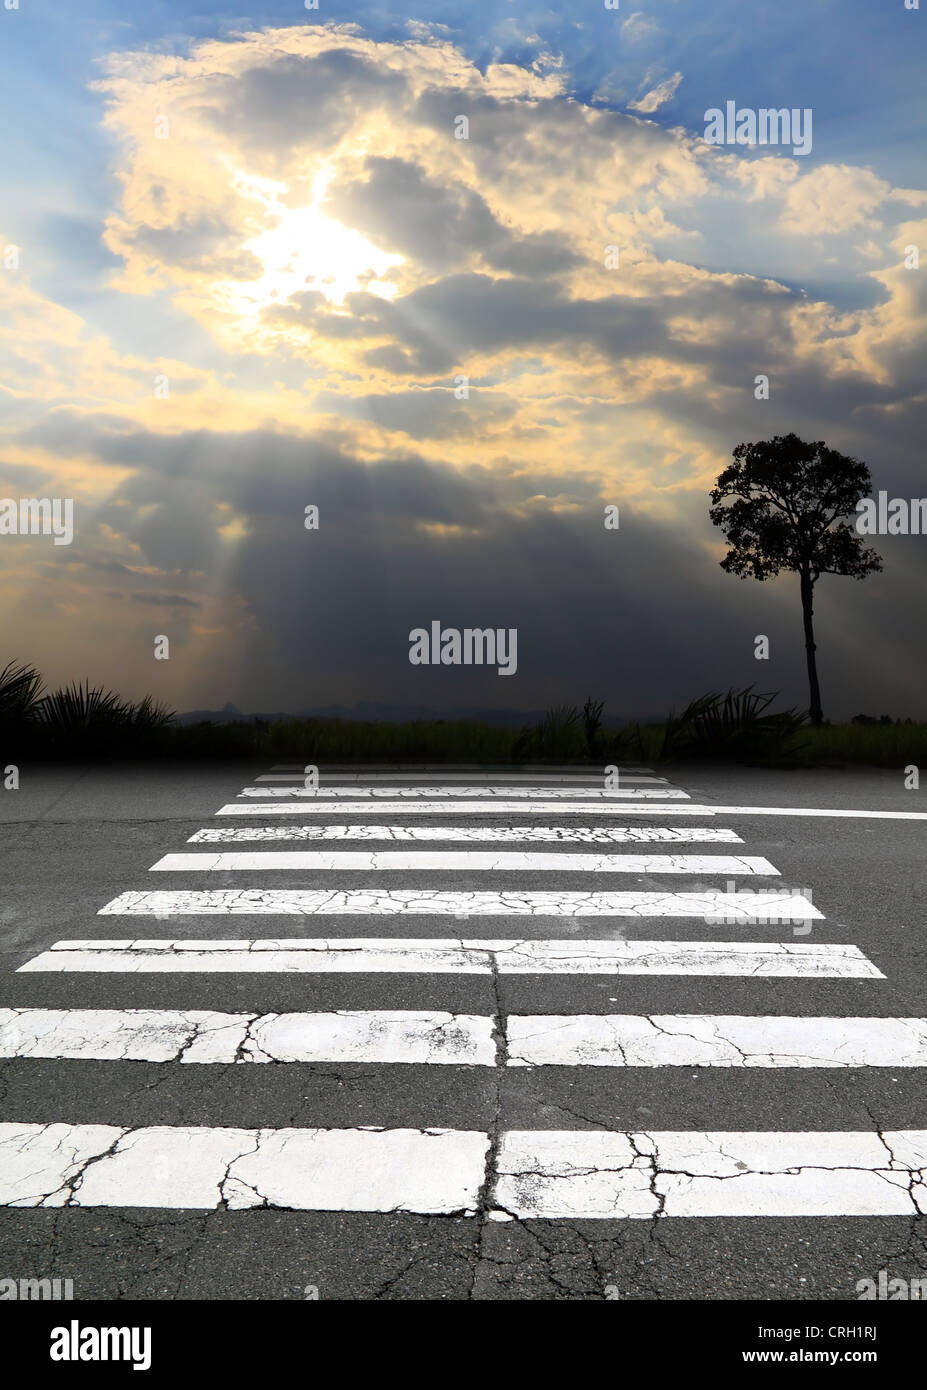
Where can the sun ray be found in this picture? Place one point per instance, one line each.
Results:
(302, 250)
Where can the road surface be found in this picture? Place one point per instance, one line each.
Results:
(462, 1033)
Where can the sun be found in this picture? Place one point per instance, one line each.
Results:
(305, 250)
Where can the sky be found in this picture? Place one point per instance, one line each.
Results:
(249, 267)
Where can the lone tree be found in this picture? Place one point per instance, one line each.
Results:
(788, 501)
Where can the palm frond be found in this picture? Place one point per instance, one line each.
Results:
(20, 691)
(76, 707)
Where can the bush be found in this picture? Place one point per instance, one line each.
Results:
(79, 721)
(20, 692)
(733, 727)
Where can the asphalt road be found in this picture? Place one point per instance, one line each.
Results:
(74, 839)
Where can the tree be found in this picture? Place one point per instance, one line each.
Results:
(789, 498)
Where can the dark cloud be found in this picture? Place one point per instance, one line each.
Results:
(165, 600)
(291, 101)
(199, 243)
(424, 414)
(642, 617)
(434, 327)
(405, 212)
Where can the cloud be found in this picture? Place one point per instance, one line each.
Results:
(313, 264)
(637, 28)
(834, 198)
(658, 96)
(165, 600)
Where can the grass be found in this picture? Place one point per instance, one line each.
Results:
(889, 745)
(833, 745)
(90, 723)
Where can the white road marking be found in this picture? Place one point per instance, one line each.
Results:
(492, 792)
(466, 861)
(589, 779)
(551, 808)
(767, 905)
(461, 808)
(600, 1175)
(539, 1174)
(457, 772)
(706, 1040)
(447, 956)
(804, 811)
(430, 1037)
(435, 1171)
(498, 834)
(169, 1035)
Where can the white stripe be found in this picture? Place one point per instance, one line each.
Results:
(595, 1174)
(498, 834)
(546, 772)
(592, 779)
(809, 811)
(706, 1040)
(435, 1171)
(498, 793)
(557, 808)
(167, 1035)
(393, 861)
(767, 905)
(461, 808)
(583, 1040)
(467, 956)
(760, 810)
(539, 1174)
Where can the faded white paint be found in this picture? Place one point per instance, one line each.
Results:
(199, 1036)
(801, 811)
(600, 1175)
(464, 861)
(538, 1174)
(705, 1040)
(472, 834)
(392, 955)
(463, 808)
(384, 1036)
(492, 778)
(396, 902)
(492, 792)
(436, 1171)
(537, 772)
(540, 772)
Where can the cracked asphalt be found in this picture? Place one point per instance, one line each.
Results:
(73, 839)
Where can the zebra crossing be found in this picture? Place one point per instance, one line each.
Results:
(495, 1173)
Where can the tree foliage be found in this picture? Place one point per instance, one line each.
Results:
(790, 501)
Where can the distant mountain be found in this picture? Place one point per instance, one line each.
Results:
(386, 714)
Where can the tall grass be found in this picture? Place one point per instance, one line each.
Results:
(560, 737)
(734, 727)
(81, 721)
(882, 745)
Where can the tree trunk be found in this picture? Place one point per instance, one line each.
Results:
(807, 609)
